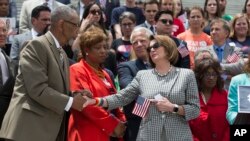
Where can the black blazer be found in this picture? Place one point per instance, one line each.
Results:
(7, 89)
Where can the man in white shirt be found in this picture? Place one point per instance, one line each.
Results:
(27, 7)
(40, 19)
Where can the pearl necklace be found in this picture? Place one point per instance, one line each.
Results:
(165, 74)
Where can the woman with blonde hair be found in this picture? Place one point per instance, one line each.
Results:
(240, 33)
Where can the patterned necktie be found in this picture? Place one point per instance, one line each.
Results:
(60, 49)
(219, 54)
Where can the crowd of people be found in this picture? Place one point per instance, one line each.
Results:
(79, 71)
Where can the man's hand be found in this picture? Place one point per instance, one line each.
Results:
(79, 100)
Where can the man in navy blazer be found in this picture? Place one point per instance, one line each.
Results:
(140, 39)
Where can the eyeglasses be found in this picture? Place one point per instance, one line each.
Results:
(75, 24)
(209, 75)
(154, 46)
(165, 21)
(96, 12)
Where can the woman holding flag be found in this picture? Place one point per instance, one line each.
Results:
(168, 95)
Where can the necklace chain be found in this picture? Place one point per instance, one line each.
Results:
(165, 74)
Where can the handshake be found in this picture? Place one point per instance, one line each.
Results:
(79, 99)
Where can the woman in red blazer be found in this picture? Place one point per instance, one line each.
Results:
(212, 124)
(93, 123)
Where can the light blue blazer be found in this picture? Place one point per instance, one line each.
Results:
(238, 80)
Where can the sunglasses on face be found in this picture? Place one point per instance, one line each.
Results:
(209, 75)
(165, 21)
(154, 46)
(95, 12)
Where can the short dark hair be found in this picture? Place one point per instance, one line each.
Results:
(159, 13)
(37, 10)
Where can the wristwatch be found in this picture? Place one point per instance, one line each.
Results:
(176, 108)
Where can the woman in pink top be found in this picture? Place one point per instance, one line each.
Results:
(194, 36)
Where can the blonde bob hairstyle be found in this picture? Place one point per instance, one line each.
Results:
(92, 36)
(169, 46)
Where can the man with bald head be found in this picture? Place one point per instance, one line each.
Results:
(6, 73)
(41, 95)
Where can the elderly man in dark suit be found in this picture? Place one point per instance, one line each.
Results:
(7, 79)
(41, 96)
(140, 38)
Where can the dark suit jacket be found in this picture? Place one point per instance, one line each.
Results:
(126, 72)
(7, 89)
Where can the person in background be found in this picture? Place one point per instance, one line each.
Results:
(211, 123)
(151, 7)
(80, 6)
(246, 9)
(240, 33)
(93, 123)
(40, 103)
(116, 13)
(180, 13)
(28, 6)
(40, 19)
(212, 11)
(178, 27)
(175, 88)
(223, 5)
(122, 46)
(233, 115)
(224, 50)
(7, 73)
(139, 4)
(194, 36)
(92, 15)
(8, 8)
(140, 38)
(107, 7)
(164, 23)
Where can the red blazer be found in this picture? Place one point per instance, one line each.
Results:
(212, 124)
(93, 123)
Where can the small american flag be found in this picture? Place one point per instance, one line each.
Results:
(141, 106)
(183, 50)
(233, 58)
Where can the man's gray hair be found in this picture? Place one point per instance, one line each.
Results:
(61, 13)
(147, 32)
